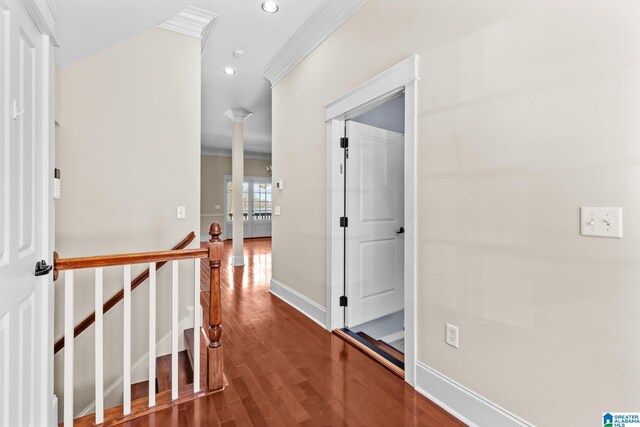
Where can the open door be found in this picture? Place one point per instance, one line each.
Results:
(375, 210)
(25, 346)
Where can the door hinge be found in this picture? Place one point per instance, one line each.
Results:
(344, 221)
(344, 142)
(344, 301)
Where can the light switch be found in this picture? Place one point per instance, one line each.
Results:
(601, 222)
(217, 207)
(277, 210)
(181, 212)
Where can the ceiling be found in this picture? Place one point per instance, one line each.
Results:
(86, 27)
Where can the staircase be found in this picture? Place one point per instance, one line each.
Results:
(173, 378)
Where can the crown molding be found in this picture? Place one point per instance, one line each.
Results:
(237, 115)
(221, 152)
(193, 22)
(327, 18)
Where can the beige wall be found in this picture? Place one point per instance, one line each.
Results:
(214, 168)
(129, 151)
(527, 110)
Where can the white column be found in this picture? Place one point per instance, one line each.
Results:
(237, 116)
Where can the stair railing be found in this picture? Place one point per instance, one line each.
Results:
(114, 300)
(213, 365)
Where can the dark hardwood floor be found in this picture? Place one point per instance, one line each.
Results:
(285, 370)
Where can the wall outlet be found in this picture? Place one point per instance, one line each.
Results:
(189, 314)
(451, 337)
(181, 212)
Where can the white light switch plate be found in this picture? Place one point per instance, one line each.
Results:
(181, 212)
(601, 222)
(277, 210)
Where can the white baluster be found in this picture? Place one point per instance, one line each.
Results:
(126, 382)
(197, 318)
(152, 334)
(99, 347)
(174, 330)
(68, 348)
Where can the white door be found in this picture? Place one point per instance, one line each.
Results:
(24, 220)
(375, 212)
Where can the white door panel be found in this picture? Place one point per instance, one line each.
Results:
(24, 217)
(375, 208)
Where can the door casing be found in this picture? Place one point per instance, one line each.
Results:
(401, 77)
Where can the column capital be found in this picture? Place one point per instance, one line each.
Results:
(237, 115)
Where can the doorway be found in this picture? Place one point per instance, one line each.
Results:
(373, 221)
(256, 206)
(374, 250)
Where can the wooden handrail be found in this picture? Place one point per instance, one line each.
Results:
(128, 259)
(89, 320)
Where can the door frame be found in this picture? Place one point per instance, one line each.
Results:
(381, 88)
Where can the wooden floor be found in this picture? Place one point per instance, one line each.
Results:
(285, 370)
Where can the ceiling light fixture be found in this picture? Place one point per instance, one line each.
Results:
(229, 71)
(270, 6)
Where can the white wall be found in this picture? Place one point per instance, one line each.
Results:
(129, 150)
(527, 111)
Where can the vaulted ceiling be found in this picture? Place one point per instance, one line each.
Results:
(86, 27)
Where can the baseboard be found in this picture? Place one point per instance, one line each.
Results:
(464, 404)
(309, 308)
(139, 368)
(237, 261)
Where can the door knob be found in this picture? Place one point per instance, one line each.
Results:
(400, 231)
(42, 269)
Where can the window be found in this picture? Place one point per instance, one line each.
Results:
(245, 201)
(257, 201)
(261, 201)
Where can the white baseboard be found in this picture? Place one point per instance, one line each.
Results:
(139, 369)
(309, 308)
(464, 404)
(237, 261)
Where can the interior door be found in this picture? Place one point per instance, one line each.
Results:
(24, 220)
(375, 210)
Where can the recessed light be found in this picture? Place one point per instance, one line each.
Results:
(229, 71)
(238, 53)
(270, 6)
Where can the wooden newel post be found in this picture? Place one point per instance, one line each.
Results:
(215, 357)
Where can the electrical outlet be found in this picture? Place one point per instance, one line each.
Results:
(451, 337)
(181, 212)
